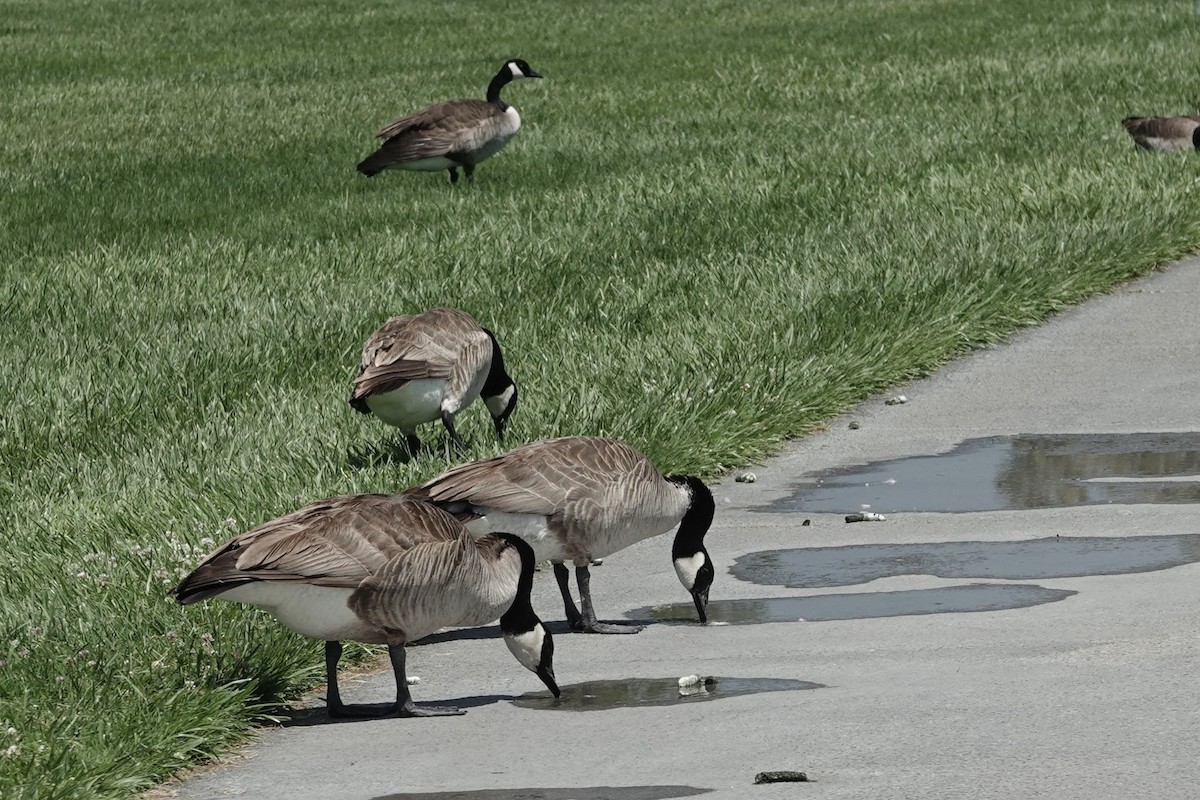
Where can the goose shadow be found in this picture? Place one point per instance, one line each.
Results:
(319, 715)
(367, 455)
(580, 793)
(555, 627)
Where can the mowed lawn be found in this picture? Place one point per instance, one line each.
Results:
(721, 223)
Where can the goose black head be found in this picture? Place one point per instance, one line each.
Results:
(693, 566)
(518, 68)
(534, 648)
(527, 639)
(499, 393)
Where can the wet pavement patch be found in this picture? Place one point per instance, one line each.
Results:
(641, 692)
(1031, 559)
(864, 605)
(582, 793)
(1014, 473)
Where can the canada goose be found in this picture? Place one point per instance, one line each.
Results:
(457, 133)
(383, 570)
(429, 366)
(1164, 133)
(582, 498)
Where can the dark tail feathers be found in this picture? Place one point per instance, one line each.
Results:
(375, 163)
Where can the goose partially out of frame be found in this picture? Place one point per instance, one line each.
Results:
(1164, 133)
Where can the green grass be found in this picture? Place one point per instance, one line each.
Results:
(722, 223)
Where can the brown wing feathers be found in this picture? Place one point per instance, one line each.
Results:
(412, 347)
(336, 542)
(440, 130)
(1164, 133)
(540, 478)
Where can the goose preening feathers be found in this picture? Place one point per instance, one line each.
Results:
(1164, 133)
(457, 133)
(578, 499)
(419, 368)
(383, 570)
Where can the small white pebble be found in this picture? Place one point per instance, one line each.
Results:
(412, 680)
(896, 401)
(746, 477)
(689, 680)
(714, 623)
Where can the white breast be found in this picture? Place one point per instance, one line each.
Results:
(412, 404)
(431, 164)
(318, 612)
(530, 527)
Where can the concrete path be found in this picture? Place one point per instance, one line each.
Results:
(882, 683)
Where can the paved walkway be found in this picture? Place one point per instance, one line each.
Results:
(1080, 682)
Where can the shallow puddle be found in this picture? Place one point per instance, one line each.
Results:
(1012, 473)
(1031, 559)
(581, 793)
(640, 692)
(866, 605)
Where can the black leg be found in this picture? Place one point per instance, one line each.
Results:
(333, 698)
(469, 169)
(448, 421)
(404, 702)
(590, 623)
(574, 618)
(413, 442)
(453, 175)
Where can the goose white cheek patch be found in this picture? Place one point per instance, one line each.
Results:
(496, 405)
(686, 569)
(515, 70)
(527, 647)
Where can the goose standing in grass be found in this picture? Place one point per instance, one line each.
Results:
(579, 499)
(383, 570)
(429, 366)
(1164, 133)
(457, 133)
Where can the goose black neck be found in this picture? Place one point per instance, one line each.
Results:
(499, 82)
(497, 379)
(689, 540)
(1196, 138)
(520, 617)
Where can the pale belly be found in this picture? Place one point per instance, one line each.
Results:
(433, 164)
(490, 149)
(412, 404)
(1168, 144)
(318, 612)
(530, 527)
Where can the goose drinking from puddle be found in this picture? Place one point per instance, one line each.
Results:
(457, 133)
(382, 570)
(422, 367)
(578, 499)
